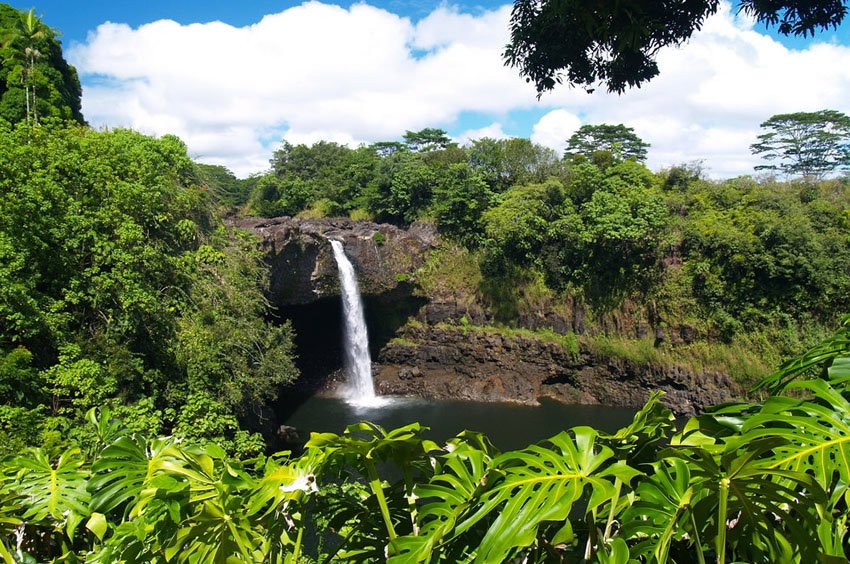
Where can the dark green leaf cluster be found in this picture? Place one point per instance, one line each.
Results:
(766, 482)
(614, 42)
(797, 17)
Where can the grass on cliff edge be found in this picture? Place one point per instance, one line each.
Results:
(453, 272)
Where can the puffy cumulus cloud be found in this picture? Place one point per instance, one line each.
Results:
(493, 131)
(555, 128)
(362, 74)
(713, 92)
(315, 71)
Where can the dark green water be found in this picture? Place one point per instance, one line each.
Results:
(508, 426)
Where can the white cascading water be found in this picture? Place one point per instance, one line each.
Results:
(358, 363)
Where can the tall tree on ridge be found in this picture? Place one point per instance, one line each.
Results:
(621, 141)
(808, 144)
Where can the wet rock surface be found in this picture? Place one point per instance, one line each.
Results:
(450, 363)
(303, 269)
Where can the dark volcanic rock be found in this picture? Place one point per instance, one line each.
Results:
(302, 264)
(450, 363)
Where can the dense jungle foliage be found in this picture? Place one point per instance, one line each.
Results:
(731, 257)
(120, 288)
(767, 482)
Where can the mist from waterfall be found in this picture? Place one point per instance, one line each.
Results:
(358, 363)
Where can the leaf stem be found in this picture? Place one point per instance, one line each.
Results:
(612, 512)
(720, 543)
(378, 490)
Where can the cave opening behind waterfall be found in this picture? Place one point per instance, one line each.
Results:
(319, 330)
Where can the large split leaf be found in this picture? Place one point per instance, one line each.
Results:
(447, 496)
(812, 436)
(663, 513)
(52, 493)
(750, 509)
(217, 527)
(541, 484)
(125, 470)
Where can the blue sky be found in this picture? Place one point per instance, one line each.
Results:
(363, 72)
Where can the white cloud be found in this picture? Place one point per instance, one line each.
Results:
(493, 131)
(314, 71)
(362, 74)
(554, 129)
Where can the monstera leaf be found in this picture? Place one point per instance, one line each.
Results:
(638, 443)
(541, 484)
(281, 484)
(52, 493)
(125, 470)
(9, 503)
(812, 436)
(663, 512)
(358, 451)
(463, 467)
(750, 509)
(278, 498)
(216, 527)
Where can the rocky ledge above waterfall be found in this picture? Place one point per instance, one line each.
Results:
(303, 269)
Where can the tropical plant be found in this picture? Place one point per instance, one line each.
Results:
(761, 482)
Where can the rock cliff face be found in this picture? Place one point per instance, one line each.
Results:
(302, 264)
(450, 363)
(436, 357)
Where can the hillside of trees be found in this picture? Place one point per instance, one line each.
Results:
(730, 258)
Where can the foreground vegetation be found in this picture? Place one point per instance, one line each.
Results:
(757, 483)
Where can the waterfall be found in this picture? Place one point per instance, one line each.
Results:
(358, 364)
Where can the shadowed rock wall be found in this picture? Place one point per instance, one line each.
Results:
(303, 269)
(451, 363)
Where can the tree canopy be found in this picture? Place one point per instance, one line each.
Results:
(621, 141)
(119, 287)
(808, 144)
(614, 43)
(428, 139)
